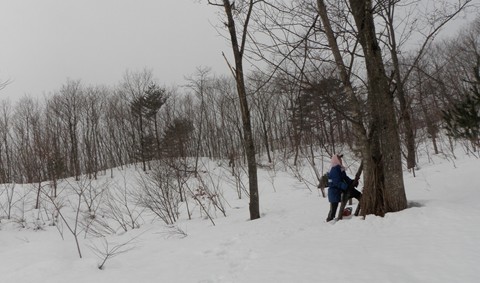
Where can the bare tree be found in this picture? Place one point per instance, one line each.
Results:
(69, 104)
(6, 167)
(439, 18)
(198, 84)
(384, 191)
(238, 42)
(133, 89)
(92, 141)
(117, 133)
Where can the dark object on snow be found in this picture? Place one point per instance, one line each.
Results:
(347, 211)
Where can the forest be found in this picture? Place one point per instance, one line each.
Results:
(313, 90)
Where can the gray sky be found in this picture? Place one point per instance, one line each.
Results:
(44, 42)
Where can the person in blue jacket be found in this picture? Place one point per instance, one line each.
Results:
(338, 182)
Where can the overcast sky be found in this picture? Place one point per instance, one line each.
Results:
(44, 42)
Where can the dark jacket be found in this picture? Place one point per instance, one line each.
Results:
(338, 182)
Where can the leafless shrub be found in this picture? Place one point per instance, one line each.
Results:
(100, 227)
(198, 195)
(240, 175)
(93, 193)
(8, 190)
(237, 178)
(210, 193)
(159, 193)
(173, 231)
(109, 250)
(181, 171)
(22, 208)
(72, 223)
(51, 205)
(93, 197)
(120, 208)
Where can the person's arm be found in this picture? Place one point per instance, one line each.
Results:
(346, 178)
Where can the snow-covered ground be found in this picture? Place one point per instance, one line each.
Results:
(435, 240)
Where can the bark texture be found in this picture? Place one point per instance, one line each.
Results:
(384, 188)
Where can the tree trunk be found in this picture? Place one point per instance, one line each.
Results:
(384, 189)
(265, 140)
(242, 94)
(406, 118)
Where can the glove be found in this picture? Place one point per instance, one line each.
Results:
(355, 183)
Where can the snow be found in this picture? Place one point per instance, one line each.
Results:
(435, 240)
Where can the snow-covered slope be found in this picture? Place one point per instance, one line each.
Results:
(435, 240)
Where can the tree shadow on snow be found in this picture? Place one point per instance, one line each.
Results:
(414, 203)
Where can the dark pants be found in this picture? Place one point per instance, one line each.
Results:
(333, 211)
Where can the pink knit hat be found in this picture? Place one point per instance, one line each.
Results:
(337, 160)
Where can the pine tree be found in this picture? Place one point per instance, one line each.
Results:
(463, 119)
(155, 97)
(145, 108)
(176, 137)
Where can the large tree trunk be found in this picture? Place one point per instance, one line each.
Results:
(384, 189)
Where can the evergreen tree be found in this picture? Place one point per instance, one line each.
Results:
(319, 101)
(145, 108)
(176, 137)
(463, 119)
(155, 97)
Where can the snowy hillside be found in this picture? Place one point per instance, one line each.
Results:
(435, 240)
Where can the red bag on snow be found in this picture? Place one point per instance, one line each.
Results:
(347, 211)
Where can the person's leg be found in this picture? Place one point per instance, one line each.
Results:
(333, 211)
